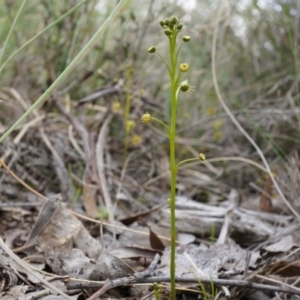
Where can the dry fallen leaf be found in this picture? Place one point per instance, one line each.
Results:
(69, 249)
(155, 241)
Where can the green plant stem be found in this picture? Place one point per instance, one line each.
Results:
(12, 29)
(173, 167)
(163, 60)
(179, 50)
(41, 33)
(186, 161)
(156, 290)
(85, 50)
(163, 124)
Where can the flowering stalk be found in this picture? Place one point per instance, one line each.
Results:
(174, 96)
(171, 27)
(129, 124)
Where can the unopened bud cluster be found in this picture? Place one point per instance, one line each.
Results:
(170, 25)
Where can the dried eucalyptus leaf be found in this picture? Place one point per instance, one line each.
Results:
(70, 250)
(64, 231)
(45, 215)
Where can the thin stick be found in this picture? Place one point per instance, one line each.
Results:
(100, 167)
(109, 284)
(281, 287)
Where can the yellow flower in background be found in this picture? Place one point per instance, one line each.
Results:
(211, 111)
(218, 135)
(218, 124)
(116, 107)
(130, 125)
(136, 140)
(142, 92)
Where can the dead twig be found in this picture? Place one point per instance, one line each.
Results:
(109, 284)
(104, 92)
(289, 289)
(100, 167)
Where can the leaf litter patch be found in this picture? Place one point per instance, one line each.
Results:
(61, 244)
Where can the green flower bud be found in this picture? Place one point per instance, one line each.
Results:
(168, 32)
(184, 86)
(174, 20)
(152, 49)
(167, 22)
(171, 26)
(186, 38)
(184, 67)
(146, 118)
(179, 26)
(162, 23)
(202, 157)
